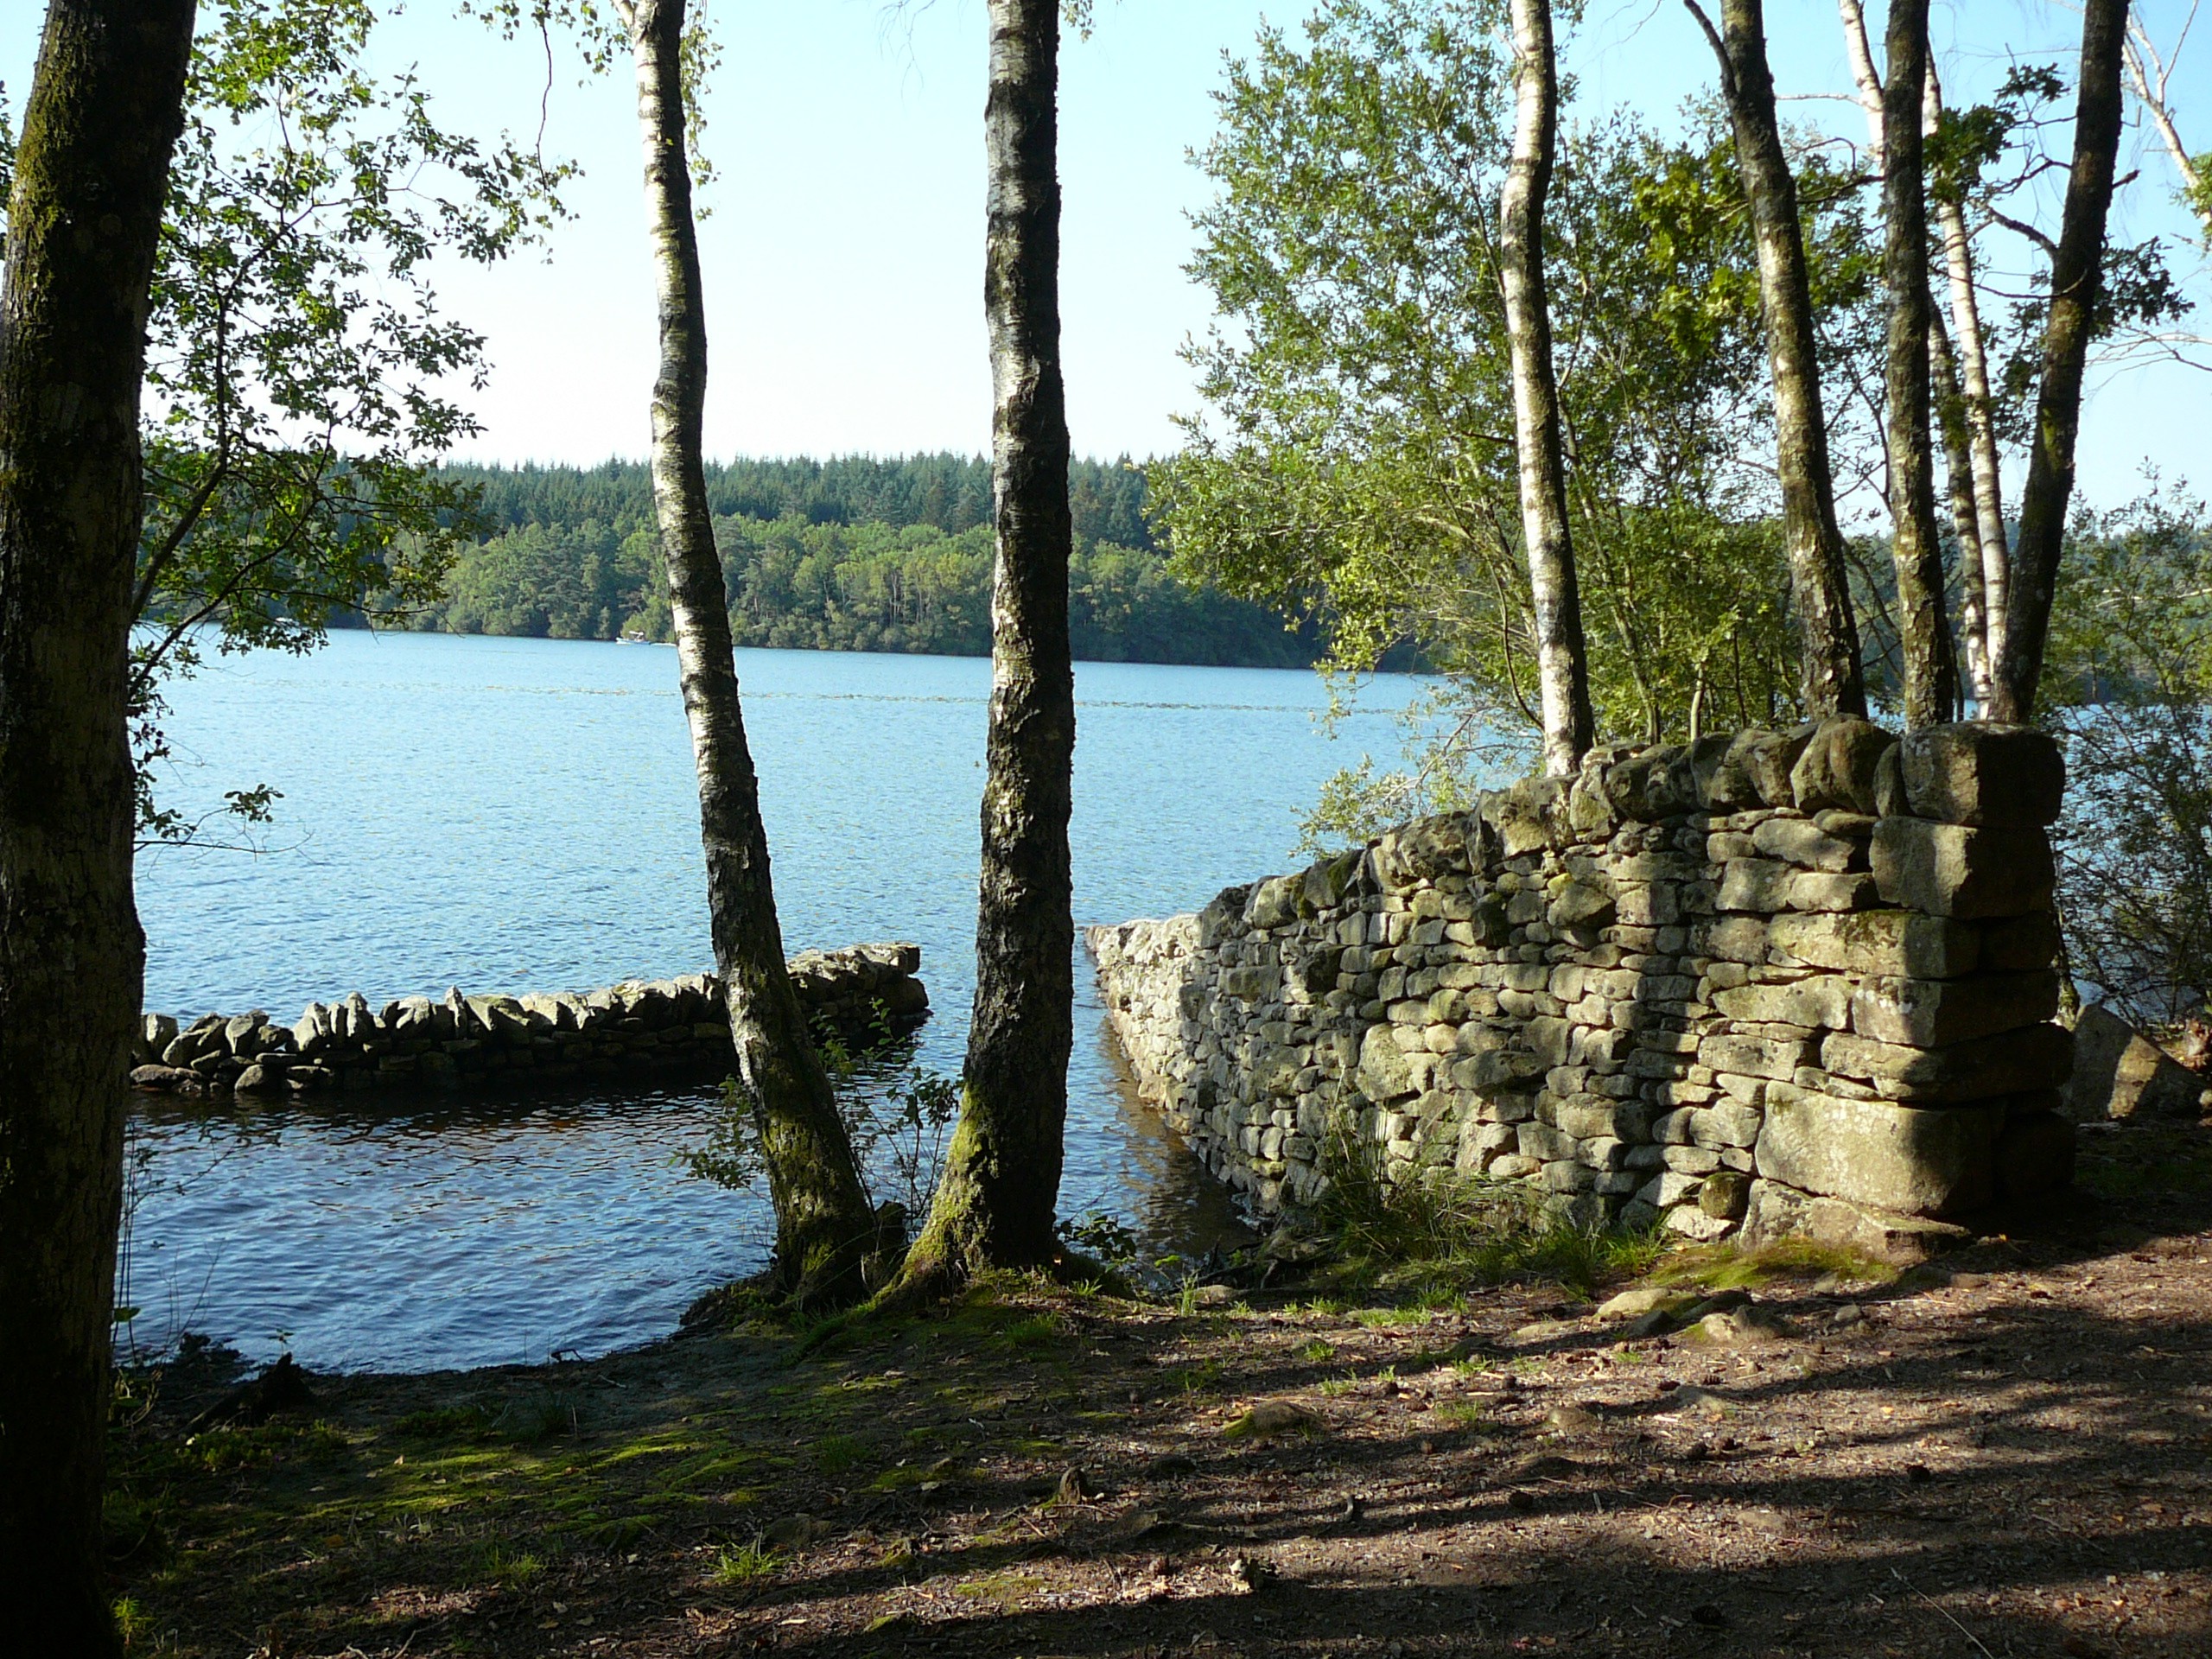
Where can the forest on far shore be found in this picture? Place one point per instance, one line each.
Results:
(851, 553)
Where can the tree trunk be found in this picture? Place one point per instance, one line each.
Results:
(1951, 420)
(106, 107)
(1977, 407)
(1931, 676)
(823, 1223)
(995, 1205)
(1833, 680)
(1562, 666)
(2076, 275)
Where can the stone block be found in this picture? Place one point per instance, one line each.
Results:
(1734, 938)
(1824, 1001)
(1933, 1012)
(1725, 1195)
(1759, 884)
(1950, 869)
(1580, 904)
(2035, 1155)
(2009, 1062)
(1385, 1071)
(1837, 767)
(1914, 1160)
(1754, 1057)
(1897, 942)
(2013, 776)
(1807, 846)
(2119, 1073)
(1776, 1211)
(2019, 943)
(1566, 1176)
(1767, 759)
(1543, 1142)
(1723, 1126)
(1818, 890)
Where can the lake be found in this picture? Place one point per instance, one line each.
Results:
(516, 814)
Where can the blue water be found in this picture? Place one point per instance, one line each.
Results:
(513, 815)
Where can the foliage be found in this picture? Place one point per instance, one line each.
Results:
(582, 561)
(1469, 1231)
(895, 1120)
(2128, 689)
(1359, 467)
(296, 354)
(946, 492)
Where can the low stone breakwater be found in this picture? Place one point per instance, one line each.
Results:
(657, 1030)
(1770, 982)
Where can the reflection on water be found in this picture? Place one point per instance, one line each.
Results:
(520, 815)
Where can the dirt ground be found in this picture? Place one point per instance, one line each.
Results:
(2007, 1454)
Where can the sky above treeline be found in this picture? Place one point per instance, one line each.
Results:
(843, 252)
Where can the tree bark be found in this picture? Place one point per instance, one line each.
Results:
(995, 1204)
(1977, 407)
(1958, 459)
(1932, 676)
(106, 107)
(824, 1226)
(1833, 680)
(2076, 278)
(1562, 666)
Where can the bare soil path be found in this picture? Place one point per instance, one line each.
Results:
(2007, 1455)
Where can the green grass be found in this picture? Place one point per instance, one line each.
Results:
(1044, 1331)
(742, 1565)
(1460, 1414)
(1427, 1240)
(835, 1453)
(1314, 1352)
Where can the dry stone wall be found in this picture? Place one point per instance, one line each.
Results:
(1770, 982)
(651, 1030)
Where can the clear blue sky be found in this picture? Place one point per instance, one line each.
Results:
(842, 255)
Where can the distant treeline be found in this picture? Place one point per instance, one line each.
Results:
(843, 554)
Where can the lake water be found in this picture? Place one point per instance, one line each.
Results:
(515, 815)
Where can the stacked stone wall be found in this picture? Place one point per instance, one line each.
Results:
(642, 1030)
(1773, 982)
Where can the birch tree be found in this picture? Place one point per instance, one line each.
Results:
(1833, 683)
(1562, 663)
(91, 174)
(824, 1226)
(994, 1202)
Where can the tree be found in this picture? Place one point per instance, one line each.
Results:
(1931, 685)
(298, 359)
(824, 1226)
(1562, 666)
(1833, 680)
(1355, 466)
(85, 212)
(2076, 292)
(994, 1204)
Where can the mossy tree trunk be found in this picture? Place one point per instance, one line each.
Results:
(1931, 675)
(1833, 680)
(106, 107)
(995, 1205)
(824, 1226)
(1562, 662)
(2076, 279)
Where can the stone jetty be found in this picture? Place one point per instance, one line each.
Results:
(644, 1030)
